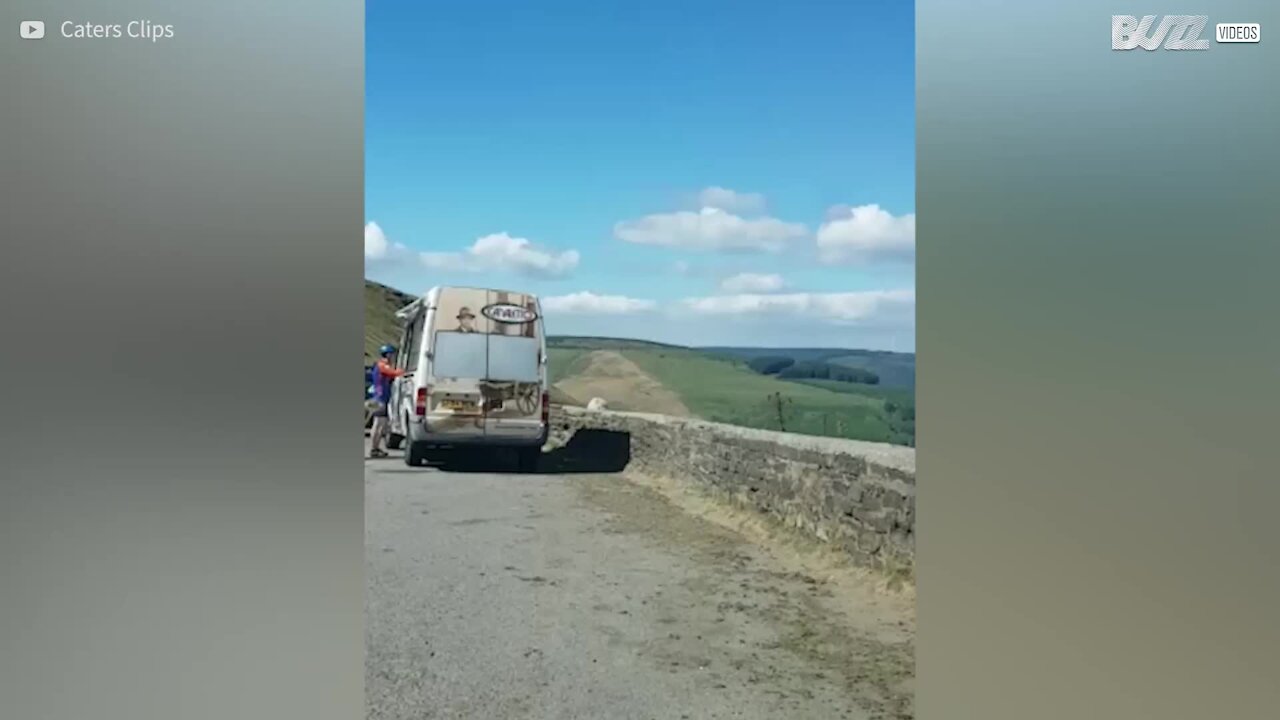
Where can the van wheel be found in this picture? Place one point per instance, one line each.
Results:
(415, 455)
(394, 441)
(527, 459)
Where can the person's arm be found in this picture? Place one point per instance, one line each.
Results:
(386, 369)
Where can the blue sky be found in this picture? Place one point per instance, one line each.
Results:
(693, 172)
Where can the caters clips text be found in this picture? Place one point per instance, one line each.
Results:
(140, 29)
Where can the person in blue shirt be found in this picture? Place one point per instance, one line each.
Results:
(369, 404)
(384, 373)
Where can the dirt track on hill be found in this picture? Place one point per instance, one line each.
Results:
(623, 385)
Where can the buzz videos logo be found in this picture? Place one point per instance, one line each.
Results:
(1175, 32)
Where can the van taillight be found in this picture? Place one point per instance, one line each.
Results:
(420, 406)
(546, 408)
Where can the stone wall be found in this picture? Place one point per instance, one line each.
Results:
(857, 496)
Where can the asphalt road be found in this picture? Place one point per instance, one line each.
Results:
(493, 595)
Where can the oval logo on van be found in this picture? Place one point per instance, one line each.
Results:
(507, 313)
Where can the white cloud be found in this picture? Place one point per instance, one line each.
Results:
(866, 233)
(375, 242)
(501, 251)
(376, 245)
(752, 283)
(710, 229)
(680, 267)
(843, 308)
(731, 201)
(587, 303)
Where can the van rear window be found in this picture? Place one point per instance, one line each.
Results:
(513, 359)
(459, 355)
(481, 356)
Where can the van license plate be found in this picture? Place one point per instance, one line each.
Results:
(459, 405)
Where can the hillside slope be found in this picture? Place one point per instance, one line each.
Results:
(607, 374)
(380, 324)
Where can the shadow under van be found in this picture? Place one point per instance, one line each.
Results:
(588, 451)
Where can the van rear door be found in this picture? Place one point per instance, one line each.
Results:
(515, 375)
(456, 403)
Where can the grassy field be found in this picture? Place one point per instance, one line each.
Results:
(727, 391)
(899, 395)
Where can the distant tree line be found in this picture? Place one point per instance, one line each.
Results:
(788, 369)
(827, 371)
(770, 364)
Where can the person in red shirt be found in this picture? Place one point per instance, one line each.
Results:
(383, 374)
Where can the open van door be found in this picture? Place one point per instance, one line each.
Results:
(408, 359)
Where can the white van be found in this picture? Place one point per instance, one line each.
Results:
(475, 363)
